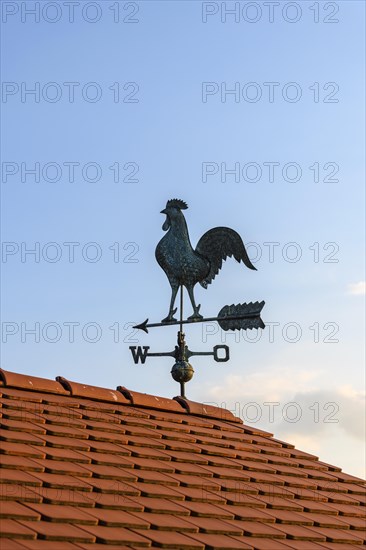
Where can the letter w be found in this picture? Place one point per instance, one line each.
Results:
(138, 354)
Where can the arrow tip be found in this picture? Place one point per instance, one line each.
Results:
(142, 326)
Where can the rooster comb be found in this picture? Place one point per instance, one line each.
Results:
(176, 203)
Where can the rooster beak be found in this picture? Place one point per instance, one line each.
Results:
(163, 211)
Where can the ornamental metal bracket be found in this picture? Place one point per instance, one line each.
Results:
(185, 267)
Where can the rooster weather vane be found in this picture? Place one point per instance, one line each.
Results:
(185, 267)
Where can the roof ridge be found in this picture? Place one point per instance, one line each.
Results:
(121, 395)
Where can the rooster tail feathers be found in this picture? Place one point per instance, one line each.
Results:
(216, 245)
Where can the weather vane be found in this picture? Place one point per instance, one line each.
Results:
(185, 267)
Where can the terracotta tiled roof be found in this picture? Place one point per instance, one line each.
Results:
(85, 467)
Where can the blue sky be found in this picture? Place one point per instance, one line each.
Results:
(142, 90)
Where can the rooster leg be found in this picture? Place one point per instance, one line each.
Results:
(196, 315)
(172, 310)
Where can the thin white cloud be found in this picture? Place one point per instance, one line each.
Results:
(357, 289)
(287, 400)
(294, 406)
(272, 384)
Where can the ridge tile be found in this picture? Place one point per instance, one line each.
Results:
(206, 410)
(27, 382)
(150, 401)
(91, 392)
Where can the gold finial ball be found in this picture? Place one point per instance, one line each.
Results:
(182, 371)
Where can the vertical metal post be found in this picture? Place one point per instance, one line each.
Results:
(181, 309)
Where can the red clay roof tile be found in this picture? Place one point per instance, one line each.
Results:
(315, 506)
(31, 382)
(39, 544)
(158, 463)
(207, 510)
(208, 411)
(20, 395)
(354, 489)
(97, 546)
(238, 427)
(189, 480)
(67, 455)
(161, 505)
(99, 456)
(8, 475)
(155, 490)
(113, 426)
(10, 528)
(147, 452)
(69, 496)
(201, 494)
(53, 531)
(223, 472)
(152, 476)
(348, 510)
(90, 471)
(16, 462)
(61, 442)
(184, 456)
(103, 471)
(341, 535)
(20, 414)
(335, 546)
(342, 498)
(247, 513)
(150, 401)
(271, 544)
(18, 493)
(303, 545)
(168, 426)
(11, 544)
(278, 503)
(61, 513)
(60, 467)
(22, 426)
(91, 392)
(20, 437)
(15, 510)
(215, 526)
(143, 441)
(222, 542)
(61, 481)
(201, 426)
(166, 522)
(109, 448)
(22, 449)
(173, 540)
(114, 502)
(180, 446)
(116, 535)
(112, 486)
(298, 532)
(259, 529)
(291, 518)
(119, 518)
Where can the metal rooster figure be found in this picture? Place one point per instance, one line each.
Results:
(185, 267)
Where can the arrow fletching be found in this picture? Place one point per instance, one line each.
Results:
(241, 316)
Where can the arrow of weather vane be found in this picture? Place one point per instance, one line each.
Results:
(185, 267)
